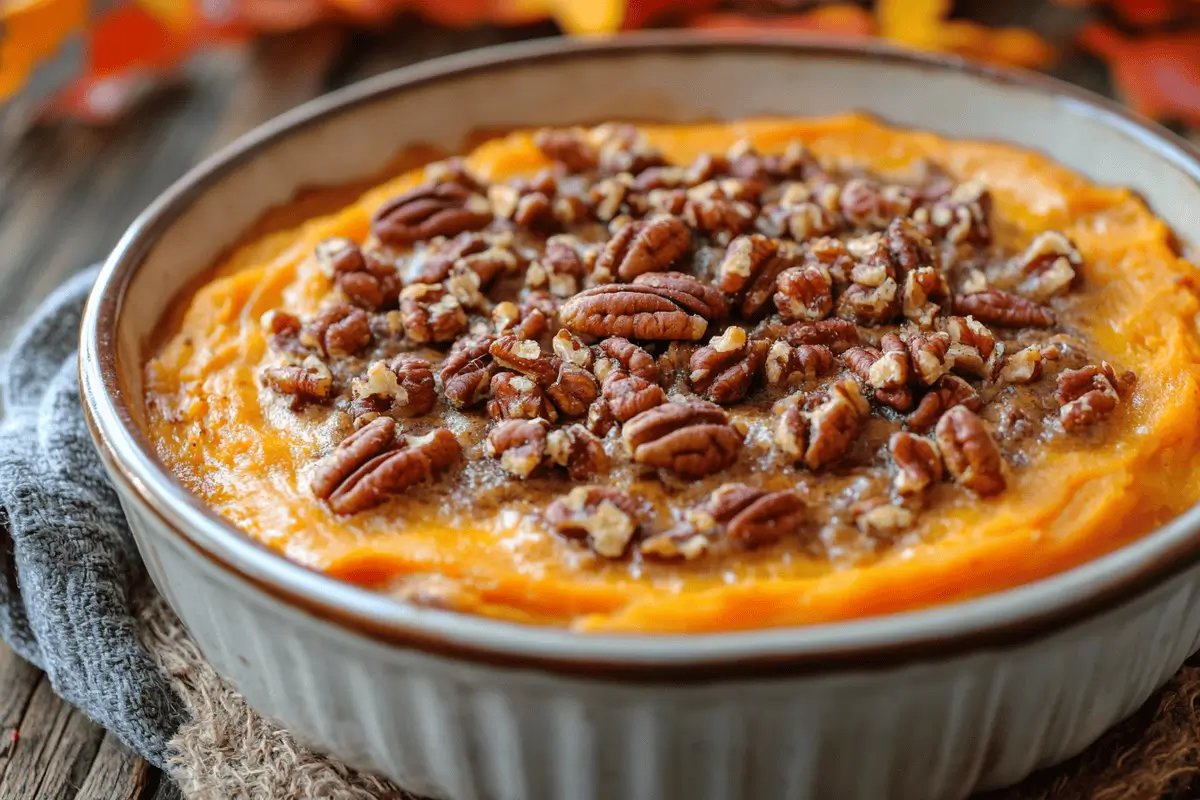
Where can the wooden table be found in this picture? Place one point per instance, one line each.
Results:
(67, 195)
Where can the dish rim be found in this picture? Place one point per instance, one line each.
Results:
(1001, 619)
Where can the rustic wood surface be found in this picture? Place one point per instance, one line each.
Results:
(67, 195)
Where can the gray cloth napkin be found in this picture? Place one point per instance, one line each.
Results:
(68, 565)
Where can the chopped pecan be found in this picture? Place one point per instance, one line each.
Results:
(570, 388)
(651, 309)
(577, 449)
(417, 460)
(354, 451)
(825, 434)
(867, 204)
(650, 245)
(925, 289)
(794, 163)
(627, 395)
(873, 297)
(487, 257)
(430, 313)
(310, 381)
(404, 384)
(839, 335)
(804, 293)
(600, 418)
(528, 204)
(801, 221)
(750, 269)
(997, 307)
(565, 262)
(881, 518)
(736, 513)
(1048, 266)
(692, 438)
(886, 372)
(573, 390)
(948, 392)
(720, 217)
(723, 370)
(623, 148)
(570, 148)
(1090, 394)
(918, 463)
(1023, 366)
(572, 350)
(605, 517)
(338, 330)
(529, 320)
(607, 197)
(971, 454)
(438, 209)
(929, 353)
(959, 216)
(518, 397)
(520, 444)
(973, 348)
(367, 281)
(467, 372)
(792, 366)
(835, 256)
(621, 354)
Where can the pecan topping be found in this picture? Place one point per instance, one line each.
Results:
(873, 297)
(439, 209)
(628, 395)
(569, 148)
(883, 519)
(430, 313)
(467, 372)
(736, 513)
(750, 268)
(607, 519)
(527, 204)
(997, 307)
(487, 258)
(563, 266)
(600, 419)
(825, 434)
(518, 397)
(572, 350)
(961, 217)
(339, 330)
(1049, 266)
(570, 388)
(802, 220)
(804, 293)
(577, 449)
(309, 381)
(651, 245)
(670, 306)
(839, 335)
(1024, 366)
(948, 392)
(622, 354)
(693, 438)
(792, 366)
(367, 281)
(918, 463)
(925, 289)
(723, 370)
(794, 163)
(973, 348)
(623, 148)
(971, 454)
(404, 384)
(721, 218)
(1090, 394)
(417, 460)
(520, 444)
(929, 353)
(867, 204)
(357, 449)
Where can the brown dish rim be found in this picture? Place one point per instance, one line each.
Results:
(1002, 619)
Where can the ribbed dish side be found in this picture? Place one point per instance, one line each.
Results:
(467, 732)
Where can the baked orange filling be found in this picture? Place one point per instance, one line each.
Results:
(696, 378)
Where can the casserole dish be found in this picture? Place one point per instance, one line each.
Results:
(977, 693)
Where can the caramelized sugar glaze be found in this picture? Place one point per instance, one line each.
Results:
(696, 378)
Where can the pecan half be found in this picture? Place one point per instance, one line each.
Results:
(948, 392)
(605, 517)
(925, 290)
(430, 313)
(839, 335)
(518, 397)
(520, 444)
(628, 395)
(338, 330)
(621, 354)
(973, 348)
(750, 269)
(724, 369)
(374, 438)
(578, 450)
(971, 454)
(792, 366)
(693, 438)
(650, 245)
(310, 381)
(488, 257)
(804, 293)
(367, 281)
(438, 209)
(404, 384)
(735, 513)
(571, 388)
(825, 434)
(418, 459)
(570, 148)
(997, 307)
(918, 463)
(1049, 266)
(1090, 394)
(466, 373)
(929, 353)
(642, 310)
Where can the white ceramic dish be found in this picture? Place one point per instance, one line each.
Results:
(928, 704)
